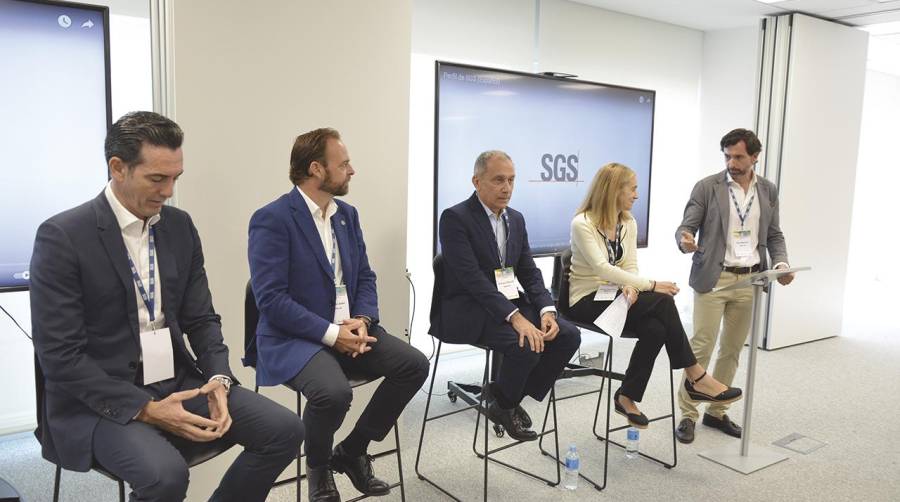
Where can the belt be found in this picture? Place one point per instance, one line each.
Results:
(742, 270)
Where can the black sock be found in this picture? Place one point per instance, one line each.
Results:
(355, 444)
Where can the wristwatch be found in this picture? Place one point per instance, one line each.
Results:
(225, 381)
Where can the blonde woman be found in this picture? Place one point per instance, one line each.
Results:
(604, 265)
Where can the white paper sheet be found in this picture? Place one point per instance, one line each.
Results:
(612, 320)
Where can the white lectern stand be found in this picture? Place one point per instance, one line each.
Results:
(742, 459)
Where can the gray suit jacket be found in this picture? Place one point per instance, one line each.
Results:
(85, 322)
(707, 212)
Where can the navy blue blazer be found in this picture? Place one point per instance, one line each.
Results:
(469, 300)
(85, 322)
(293, 283)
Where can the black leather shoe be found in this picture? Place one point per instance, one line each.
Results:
(637, 420)
(359, 470)
(511, 422)
(321, 485)
(684, 433)
(729, 395)
(522, 414)
(724, 424)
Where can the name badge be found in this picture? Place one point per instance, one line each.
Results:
(341, 304)
(506, 282)
(606, 293)
(156, 355)
(741, 244)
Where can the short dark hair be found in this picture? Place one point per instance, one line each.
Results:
(751, 142)
(132, 130)
(309, 147)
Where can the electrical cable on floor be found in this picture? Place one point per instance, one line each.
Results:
(412, 317)
(15, 322)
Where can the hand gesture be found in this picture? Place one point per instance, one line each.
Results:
(217, 400)
(631, 294)
(353, 338)
(688, 245)
(784, 280)
(549, 326)
(528, 331)
(170, 416)
(665, 287)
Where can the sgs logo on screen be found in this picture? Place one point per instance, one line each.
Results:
(559, 167)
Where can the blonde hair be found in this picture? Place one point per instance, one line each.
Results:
(600, 205)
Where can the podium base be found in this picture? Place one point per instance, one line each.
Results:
(758, 457)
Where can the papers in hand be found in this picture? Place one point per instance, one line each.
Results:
(612, 320)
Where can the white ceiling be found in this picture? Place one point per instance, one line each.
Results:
(709, 15)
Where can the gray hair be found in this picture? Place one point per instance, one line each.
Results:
(482, 161)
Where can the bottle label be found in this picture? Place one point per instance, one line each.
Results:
(633, 435)
(572, 464)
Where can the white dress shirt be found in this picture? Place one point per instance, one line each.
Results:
(500, 226)
(751, 222)
(136, 235)
(323, 226)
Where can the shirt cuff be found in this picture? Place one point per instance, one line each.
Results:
(220, 376)
(780, 263)
(511, 314)
(549, 308)
(331, 335)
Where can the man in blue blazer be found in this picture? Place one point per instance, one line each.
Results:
(116, 285)
(485, 248)
(318, 315)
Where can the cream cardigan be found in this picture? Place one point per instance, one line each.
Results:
(590, 262)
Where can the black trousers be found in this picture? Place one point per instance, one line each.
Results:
(522, 371)
(150, 460)
(655, 320)
(324, 384)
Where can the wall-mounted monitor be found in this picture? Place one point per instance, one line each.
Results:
(54, 114)
(558, 132)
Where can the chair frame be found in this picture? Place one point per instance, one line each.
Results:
(251, 317)
(607, 375)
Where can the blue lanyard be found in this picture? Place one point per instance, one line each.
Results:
(742, 217)
(500, 247)
(149, 299)
(333, 254)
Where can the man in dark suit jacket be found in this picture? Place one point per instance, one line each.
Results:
(116, 285)
(484, 246)
(318, 315)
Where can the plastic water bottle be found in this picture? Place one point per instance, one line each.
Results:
(632, 445)
(573, 463)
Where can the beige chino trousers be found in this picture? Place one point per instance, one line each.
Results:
(732, 310)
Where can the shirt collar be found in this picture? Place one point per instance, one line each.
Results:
(489, 212)
(314, 208)
(124, 217)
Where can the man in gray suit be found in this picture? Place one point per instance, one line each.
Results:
(116, 285)
(736, 213)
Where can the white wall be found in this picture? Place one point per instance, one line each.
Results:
(131, 90)
(245, 87)
(596, 45)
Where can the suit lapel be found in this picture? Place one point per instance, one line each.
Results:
(111, 236)
(722, 201)
(303, 218)
(484, 226)
(168, 269)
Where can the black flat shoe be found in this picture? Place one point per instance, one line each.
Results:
(637, 420)
(511, 422)
(729, 395)
(684, 433)
(359, 470)
(724, 424)
(321, 487)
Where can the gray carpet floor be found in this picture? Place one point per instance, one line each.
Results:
(839, 391)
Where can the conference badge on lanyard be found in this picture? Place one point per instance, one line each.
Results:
(506, 282)
(156, 344)
(740, 239)
(341, 304)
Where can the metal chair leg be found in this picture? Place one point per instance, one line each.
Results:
(300, 447)
(121, 491)
(56, 483)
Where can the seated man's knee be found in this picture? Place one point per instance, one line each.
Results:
(420, 367)
(166, 481)
(334, 396)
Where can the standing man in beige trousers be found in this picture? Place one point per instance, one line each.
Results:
(736, 213)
